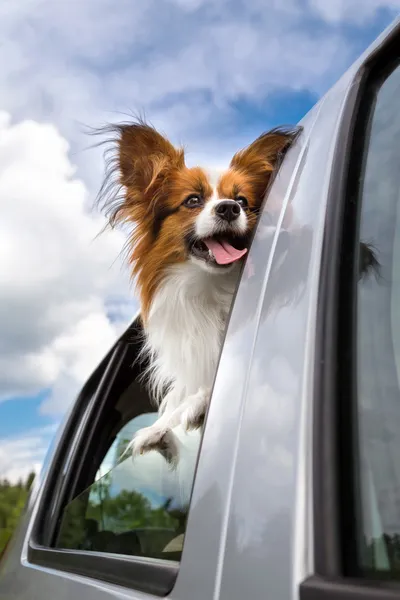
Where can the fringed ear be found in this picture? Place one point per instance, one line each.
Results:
(264, 152)
(139, 162)
(261, 158)
(143, 152)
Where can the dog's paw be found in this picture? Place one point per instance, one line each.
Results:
(155, 438)
(193, 416)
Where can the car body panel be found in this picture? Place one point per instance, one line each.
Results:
(249, 530)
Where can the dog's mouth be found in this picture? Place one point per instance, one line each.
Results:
(219, 250)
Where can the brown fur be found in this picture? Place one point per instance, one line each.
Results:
(156, 181)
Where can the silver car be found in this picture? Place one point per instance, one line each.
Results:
(293, 488)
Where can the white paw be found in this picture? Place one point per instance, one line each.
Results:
(193, 416)
(156, 438)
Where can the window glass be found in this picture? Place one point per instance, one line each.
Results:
(134, 507)
(125, 435)
(378, 343)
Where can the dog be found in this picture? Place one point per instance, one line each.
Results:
(187, 244)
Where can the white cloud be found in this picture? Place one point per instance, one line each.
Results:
(88, 62)
(75, 353)
(358, 12)
(56, 277)
(21, 455)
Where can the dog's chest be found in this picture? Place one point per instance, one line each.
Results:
(186, 324)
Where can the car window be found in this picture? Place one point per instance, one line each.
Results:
(378, 343)
(135, 507)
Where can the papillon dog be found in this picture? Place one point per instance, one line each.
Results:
(187, 244)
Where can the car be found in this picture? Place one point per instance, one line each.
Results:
(292, 490)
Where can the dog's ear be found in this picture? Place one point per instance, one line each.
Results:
(145, 159)
(261, 158)
(144, 155)
(139, 163)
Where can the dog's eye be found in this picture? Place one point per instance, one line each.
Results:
(242, 201)
(192, 201)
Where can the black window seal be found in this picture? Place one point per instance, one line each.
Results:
(332, 542)
(73, 482)
(148, 575)
(53, 493)
(154, 576)
(321, 588)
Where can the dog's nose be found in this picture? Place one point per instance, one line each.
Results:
(229, 210)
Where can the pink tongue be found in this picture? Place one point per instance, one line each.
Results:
(223, 252)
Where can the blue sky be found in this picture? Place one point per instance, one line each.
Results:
(21, 414)
(211, 75)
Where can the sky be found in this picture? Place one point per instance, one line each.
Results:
(211, 75)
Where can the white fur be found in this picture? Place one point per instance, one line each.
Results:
(185, 326)
(184, 331)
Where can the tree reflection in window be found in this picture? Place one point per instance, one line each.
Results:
(137, 508)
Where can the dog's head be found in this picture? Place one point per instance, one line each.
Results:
(177, 214)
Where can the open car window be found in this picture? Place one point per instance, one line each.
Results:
(136, 507)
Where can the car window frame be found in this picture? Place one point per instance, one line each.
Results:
(332, 485)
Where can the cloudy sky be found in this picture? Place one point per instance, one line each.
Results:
(212, 75)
